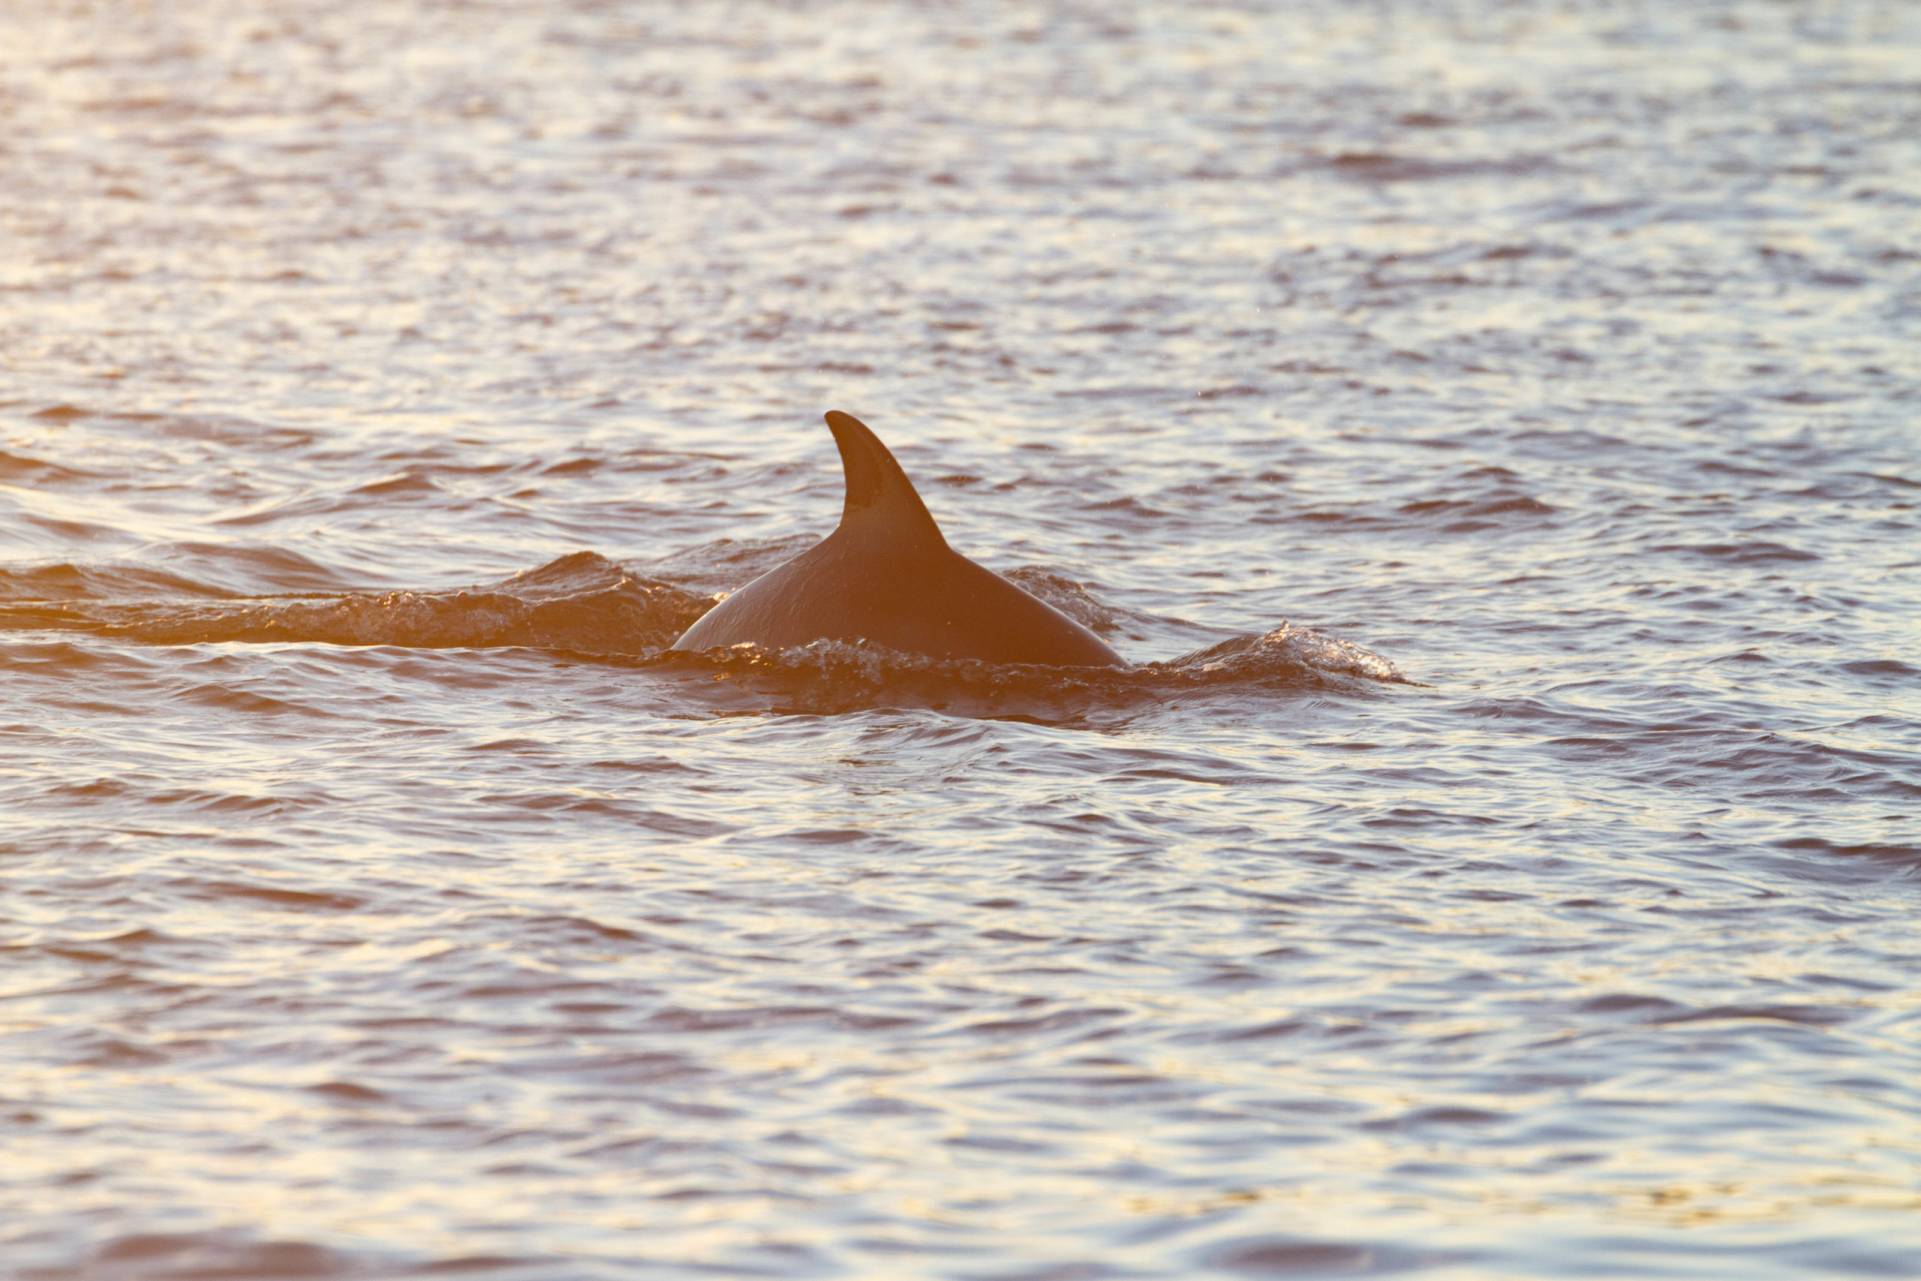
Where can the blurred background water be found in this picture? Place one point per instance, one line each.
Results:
(382, 385)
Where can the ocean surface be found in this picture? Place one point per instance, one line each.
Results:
(1492, 427)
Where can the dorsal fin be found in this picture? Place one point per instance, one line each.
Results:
(879, 495)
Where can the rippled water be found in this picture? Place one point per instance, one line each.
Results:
(1490, 426)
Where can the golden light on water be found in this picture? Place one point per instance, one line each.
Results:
(1482, 433)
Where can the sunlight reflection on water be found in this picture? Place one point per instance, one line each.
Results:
(385, 384)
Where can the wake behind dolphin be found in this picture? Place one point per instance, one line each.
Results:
(886, 576)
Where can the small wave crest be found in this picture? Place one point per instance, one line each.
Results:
(583, 603)
(1286, 649)
(832, 676)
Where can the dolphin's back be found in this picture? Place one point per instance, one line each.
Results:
(887, 576)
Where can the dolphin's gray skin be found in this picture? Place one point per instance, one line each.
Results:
(887, 576)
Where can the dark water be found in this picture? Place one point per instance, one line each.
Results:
(1492, 427)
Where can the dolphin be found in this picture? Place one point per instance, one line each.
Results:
(886, 576)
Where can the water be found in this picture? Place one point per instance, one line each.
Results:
(1491, 427)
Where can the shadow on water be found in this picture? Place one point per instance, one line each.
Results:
(586, 608)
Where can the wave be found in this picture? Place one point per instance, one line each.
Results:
(831, 676)
(587, 607)
(583, 602)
